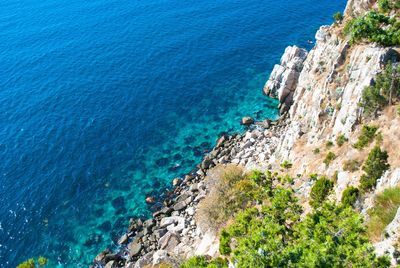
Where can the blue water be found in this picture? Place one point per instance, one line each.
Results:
(104, 102)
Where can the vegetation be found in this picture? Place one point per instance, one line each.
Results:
(374, 167)
(383, 92)
(329, 158)
(233, 190)
(320, 191)
(32, 263)
(203, 262)
(338, 17)
(385, 207)
(275, 236)
(388, 5)
(375, 27)
(351, 165)
(316, 151)
(341, 139)
(286, 164)
(329, 144)
(367, 135)
(350, 196)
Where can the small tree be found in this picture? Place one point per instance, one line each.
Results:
(374, 167)
(320, 191)
(350, 196)
(338, 17)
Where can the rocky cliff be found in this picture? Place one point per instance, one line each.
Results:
(319, 92)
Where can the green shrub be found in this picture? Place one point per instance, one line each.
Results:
(275, 236)
(385, 208)
(320, 191)
(329, 158)
(286, 164)
(351, 165)
(350, 196)
(341, 139)
(377, 96)
(374, 167)
(329, 144)
(338, 17)
(388, 5)
(367, 135)
(316, 151)
(374, 27)
(313, 176)
(203, 262)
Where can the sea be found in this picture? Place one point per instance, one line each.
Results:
(105, 102)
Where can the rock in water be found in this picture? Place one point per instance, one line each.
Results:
(247, 121)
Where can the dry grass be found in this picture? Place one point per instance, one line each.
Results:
(386, 205)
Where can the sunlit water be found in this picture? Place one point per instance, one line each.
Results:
(104, 102)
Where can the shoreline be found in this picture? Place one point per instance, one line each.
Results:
(155, 240)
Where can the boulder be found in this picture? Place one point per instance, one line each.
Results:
(180, 206)
(123, 239)
(134, 248)
(150, 200)
(247, 121)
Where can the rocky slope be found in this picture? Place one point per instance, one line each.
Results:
(319, 93)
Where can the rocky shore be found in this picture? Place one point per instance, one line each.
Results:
(173, 230)
(319, 92)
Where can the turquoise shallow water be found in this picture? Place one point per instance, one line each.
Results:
(104, 102)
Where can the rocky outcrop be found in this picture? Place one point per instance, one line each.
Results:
(283, 79)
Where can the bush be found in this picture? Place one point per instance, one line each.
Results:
(338, 17)
(286, 164)
(367, 135)
(232, 190)
(316, 151)
(350, 196)
(329, 158)
(341, 139)
(375, 97)
(374, 167)
(351, 165)
(388, 5)
(329, 144)
(385, 208)
(203, 262)
(374, 27)
(320, 191)
(275, 236)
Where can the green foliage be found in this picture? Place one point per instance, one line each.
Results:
(367, 135)
(338, 17)
(350, 196)
(275, 236)
(374, 167)
(385, 207)
(320, 191)
(375, 97)
(31, 263)
(316, 151)
(329, 144)
(388, 5)
(341, 139)
(329, 158)
(374, 27)
(314, 176)
(351, 165)
(203, 262)
(286, 164)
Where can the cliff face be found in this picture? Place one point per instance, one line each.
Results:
(319, 93)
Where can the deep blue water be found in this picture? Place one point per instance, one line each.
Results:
(104, 102)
